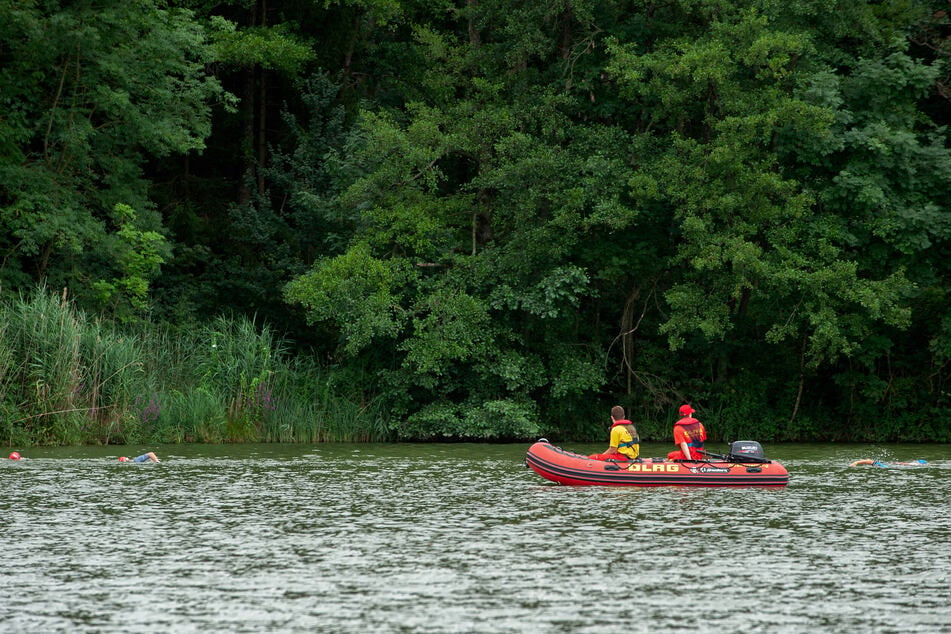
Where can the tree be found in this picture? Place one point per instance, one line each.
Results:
(473, 216)
(882, 181)
(745, 123)
(90, 92)
(137, 256)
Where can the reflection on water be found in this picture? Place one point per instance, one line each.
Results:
(463, 538)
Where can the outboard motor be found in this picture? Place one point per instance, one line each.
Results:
(747, 450)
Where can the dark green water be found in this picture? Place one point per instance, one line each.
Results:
(463, 538)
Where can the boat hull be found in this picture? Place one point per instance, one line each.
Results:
(569, 468)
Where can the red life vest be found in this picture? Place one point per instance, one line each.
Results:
(694, 433)
(623, 421)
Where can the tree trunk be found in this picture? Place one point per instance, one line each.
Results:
(262, 114)
(802, 381)
(474, 38)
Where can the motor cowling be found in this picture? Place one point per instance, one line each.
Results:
(740, 449)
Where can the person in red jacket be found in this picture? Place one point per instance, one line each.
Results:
(689, 435)
(624, 443)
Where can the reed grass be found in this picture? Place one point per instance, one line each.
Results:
(70, 378)
(311, 408)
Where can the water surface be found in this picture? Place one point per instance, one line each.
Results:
(463, 538)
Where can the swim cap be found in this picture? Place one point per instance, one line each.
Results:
(686, 410)
(14, 456)
(920, 461)
(123, 459)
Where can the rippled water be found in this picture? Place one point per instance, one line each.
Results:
(463, 538)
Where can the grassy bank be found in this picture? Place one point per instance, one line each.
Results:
(67, 378)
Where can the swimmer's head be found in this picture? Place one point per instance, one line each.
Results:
(123, 459)
(920, 461)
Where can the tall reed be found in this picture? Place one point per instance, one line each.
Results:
(113, 371)
(43, 343)
(311, 408)
(67, 378)
(8, 385)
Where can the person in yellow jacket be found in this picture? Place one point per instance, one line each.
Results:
(624, 443)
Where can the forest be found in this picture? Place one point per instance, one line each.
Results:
(367, 220)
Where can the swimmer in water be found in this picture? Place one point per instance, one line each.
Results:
(146, 457)
(879, 463)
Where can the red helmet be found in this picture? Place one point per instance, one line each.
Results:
(686, 410)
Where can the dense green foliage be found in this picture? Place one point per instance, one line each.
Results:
(495, 219)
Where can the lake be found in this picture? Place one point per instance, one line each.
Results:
(437, 538)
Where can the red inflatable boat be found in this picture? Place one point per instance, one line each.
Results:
(743, 466)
